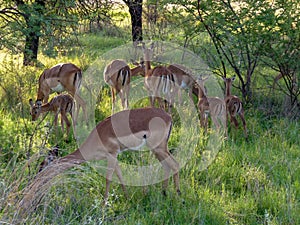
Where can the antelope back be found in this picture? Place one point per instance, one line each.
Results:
(69, 103)
(161, 80)
(234, 105)
(59, 70)
(113, 68)
(61, 77)
(217, 106)
(123, 77)
(61, 103)
(183, 75)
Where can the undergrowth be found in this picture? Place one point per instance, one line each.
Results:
(249, 182)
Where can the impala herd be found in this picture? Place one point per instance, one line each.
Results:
(131, 129)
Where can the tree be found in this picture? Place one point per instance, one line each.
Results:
(33, 15)
(245, 34)
(233, 29)
(25, 22)
(136, 11)
(279, 28)
(96, 13)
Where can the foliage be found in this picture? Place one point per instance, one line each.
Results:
(29, 26)
(254, 182)
(243, 35)
(26, 21)
(281, 48)
(102, 16)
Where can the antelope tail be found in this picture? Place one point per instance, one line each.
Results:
(237, 106)
(124, 75)
(77, 79)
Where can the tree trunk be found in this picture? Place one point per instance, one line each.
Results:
(136, 11)
(31, 49)
(32, 14)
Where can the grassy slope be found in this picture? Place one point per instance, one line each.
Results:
(254, 182)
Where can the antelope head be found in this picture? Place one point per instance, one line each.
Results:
(35, 110)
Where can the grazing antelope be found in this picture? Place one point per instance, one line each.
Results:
(52, 155)
(59, 78)
(61, 104)
(117, 75)
(183, 79)
(214, 106)
(234, 105)
(158, 81)
(128, 129)
(139, 69)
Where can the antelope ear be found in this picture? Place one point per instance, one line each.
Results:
(31, 102)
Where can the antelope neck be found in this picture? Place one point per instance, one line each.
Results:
(228, 92)
(46, 107)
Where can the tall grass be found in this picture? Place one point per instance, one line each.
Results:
(249, 182)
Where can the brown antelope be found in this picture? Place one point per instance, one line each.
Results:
(61, 104)
(213, 106)
(117, 75)
(159, 81)
(234, 105)
(139, 69)
(292, 80)
(59, 78)
(128, 129)
(183, 79)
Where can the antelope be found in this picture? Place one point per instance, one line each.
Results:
(234, 105)
(292, 80)
(117, 74)
(128, 129)
(59, 78)
(183, 79)
(52, 155)
(158, 80)
(61, 104)
(139, 69)
(214, 106)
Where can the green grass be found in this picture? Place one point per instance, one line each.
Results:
(249, 182)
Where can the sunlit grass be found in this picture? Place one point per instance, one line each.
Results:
(249, 182)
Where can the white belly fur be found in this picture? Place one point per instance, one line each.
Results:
(133, 143)
(59, 88)
(183, 85)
